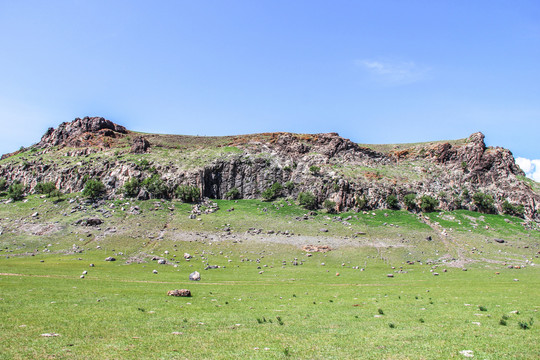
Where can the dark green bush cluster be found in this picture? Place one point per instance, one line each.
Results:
(232, 194)
(47, 188)
(515, 210)
(93, 189)
(272, 192)
(3, 184)
(484, 202)
(392, 202)
(156, 187)
(307, 200)
(410, 202)
(188, 193)
(131, 187)
(16, 191)
(428, 204)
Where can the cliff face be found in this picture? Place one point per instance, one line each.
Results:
(328, 165)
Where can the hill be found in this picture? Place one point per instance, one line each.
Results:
(345, 174)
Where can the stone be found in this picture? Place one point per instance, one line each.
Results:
(110, 258)
(140, 145)
(195, 276)
(500, 241)
(390, 275)
(162, 261)
(155, 271)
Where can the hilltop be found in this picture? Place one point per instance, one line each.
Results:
(348, 176)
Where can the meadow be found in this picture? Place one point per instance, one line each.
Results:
(339, 304)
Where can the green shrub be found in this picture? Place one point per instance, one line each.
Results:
(484, 202)
(289, 185)
(93, 189)
(16, 191)
(330, 206)
(144, 165)
(272, 192)
(410, 201)
(314, 169)
(3, 184)
(45, 188)
(307, 200)
(156, 187)
(516, 210)
(188, 193)
(232, 194)
(428, 204)
(131, 188)
(392, 202)
(361, 202)
(524, 325)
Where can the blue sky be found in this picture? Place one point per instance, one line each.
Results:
(374, 71)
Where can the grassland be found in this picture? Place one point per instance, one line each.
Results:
(122, 310)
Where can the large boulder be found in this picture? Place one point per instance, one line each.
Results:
(195, 276)
(181, 292)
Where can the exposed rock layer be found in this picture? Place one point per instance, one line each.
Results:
(328, 165)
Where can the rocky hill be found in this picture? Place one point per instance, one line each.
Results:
(349, 175)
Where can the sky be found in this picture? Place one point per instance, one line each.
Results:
(384, 71)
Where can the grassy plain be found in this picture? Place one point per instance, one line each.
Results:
(122, 311)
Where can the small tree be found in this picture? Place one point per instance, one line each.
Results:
(16, 191)
(484, 202)
(3, 184)
(307, 200)
(188, 193)
(428, 204)
(46, 188)
(93, 189)
(232, 194)
(392, 202)
(330, 206)
(131, 187)
(410, 202)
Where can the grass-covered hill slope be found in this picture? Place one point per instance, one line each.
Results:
(337, 173)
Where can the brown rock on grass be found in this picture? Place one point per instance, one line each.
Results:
(181, 292)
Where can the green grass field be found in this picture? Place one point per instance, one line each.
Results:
(122, 311)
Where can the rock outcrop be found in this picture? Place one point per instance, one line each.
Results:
(88, 131)
(327, 165)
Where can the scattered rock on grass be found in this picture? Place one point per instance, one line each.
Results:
(110, 258)
(195, 276)
(181, 292)
(467, 353)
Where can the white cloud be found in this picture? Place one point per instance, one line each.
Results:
(394, 73)
(530, 167)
